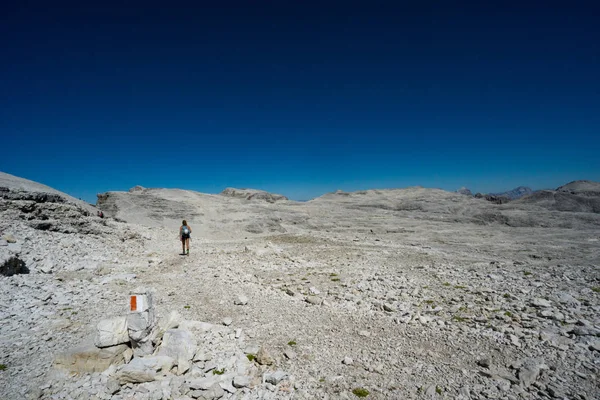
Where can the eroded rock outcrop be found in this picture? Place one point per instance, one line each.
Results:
(252, 194)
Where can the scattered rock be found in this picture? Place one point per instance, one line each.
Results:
(529, 371)
(275, 377)
(9, 238)
(314, 300)
(263, 357)
(241, 381)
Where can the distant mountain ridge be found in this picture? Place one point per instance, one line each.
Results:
(515, 193)
(499, 198)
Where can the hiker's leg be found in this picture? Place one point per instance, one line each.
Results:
(183, 245)
(187, 242)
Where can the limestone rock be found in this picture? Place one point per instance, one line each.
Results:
(9, 238)
(529, 371)
(263, 357)
(144, 369)
(204, 383)
(241, 381)
(181, 345)
(275, 377)
(111, 332)
(314, 300)
(541, 303)
(89, 358)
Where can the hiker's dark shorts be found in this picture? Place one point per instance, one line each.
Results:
(184, 236)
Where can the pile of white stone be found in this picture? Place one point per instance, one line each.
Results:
(138, 356)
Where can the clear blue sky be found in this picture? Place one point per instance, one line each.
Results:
(299, 98)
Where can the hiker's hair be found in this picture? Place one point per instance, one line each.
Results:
(184, 222)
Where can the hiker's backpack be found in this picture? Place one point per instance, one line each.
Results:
(185, 230)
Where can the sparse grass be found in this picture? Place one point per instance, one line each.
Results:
(250, 357)
(428, 302)
(596, 289)
(333, 274)
(463, 308)
(291, 343)
(360, 392)
(186, 306)
(508, 314)
(527, 273)
(458, 319)
(219, 371)
(322, 380)
(459, 287)
(73, 312)
(2, 367)
(335, 279)
(506, 296)
(438, 390)
(425, 287)
(446, 284)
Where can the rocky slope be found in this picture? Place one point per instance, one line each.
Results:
(412, 293)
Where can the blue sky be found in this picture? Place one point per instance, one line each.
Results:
(299, 98)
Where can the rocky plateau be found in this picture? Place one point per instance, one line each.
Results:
(384, 294)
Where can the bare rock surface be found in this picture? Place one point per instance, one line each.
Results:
(420, 293)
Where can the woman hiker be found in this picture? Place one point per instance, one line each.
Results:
(184, 234)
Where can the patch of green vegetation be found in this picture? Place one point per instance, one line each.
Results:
(250, 357)
(428, 302)
(73, 312)
(360, 392)
(462, 308)
(335, 279)
(526, 273)
(2, 367)
(291, 343)
(186, 306)
(506, 296)
(219, 371)
(425, 287)
(460, 287)
(322, 380)
(458, 319)
(333, 274)
(596, 289)
(508, 314)
(438, 390)
(446, 283)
